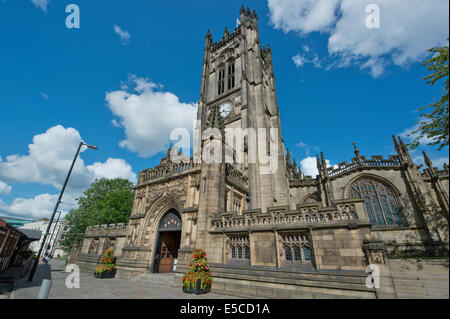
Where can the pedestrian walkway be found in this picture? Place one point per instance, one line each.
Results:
(148, 286)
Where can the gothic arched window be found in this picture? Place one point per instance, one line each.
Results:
(310, 200)
(230, 74)
(297, 247)
(221, 82)
(380, 202)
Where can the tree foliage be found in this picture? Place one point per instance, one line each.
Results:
(434, 125)
(107, 201)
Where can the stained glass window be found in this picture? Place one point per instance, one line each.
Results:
(296, 246)
(239, 245)
(379, 200)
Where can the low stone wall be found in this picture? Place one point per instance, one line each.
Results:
(269, 282)
(420, 278)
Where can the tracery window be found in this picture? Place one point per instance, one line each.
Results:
(310, 200)
(221, 82)
(230, 74)
(380, 202)
(239, 247)
(296, 247)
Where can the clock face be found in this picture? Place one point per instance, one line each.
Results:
(225, 109)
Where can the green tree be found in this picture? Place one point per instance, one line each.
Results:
(107, 201)
(434, 125)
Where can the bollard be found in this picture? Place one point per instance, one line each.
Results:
(45, 289)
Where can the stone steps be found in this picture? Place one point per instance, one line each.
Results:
(291, 284)
(420, 279)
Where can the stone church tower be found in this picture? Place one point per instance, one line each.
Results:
(269, 230)
(238, 78)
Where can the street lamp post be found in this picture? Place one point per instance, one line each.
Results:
(52, 238)
(36, 261)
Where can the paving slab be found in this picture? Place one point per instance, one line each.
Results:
(149, 286)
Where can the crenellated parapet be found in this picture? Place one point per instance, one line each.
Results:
(304, 216)
(236, 178)
(111, 230)
(167, 169)
(227, 37)
(375, 162)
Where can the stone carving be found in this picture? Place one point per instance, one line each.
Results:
(176, 187)
(345, 212)
(94, 246)
(374, 251)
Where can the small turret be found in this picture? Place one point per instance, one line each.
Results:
(358, 157)
(427, 160)
(396, 145)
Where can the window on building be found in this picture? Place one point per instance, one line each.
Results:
(310, 200)
(296, 247)
(380, 202)
(240, 247)
(230, 74)
(221, 81)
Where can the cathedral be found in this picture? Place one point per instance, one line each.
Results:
(273, 232)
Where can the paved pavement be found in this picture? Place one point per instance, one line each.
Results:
(148, 286)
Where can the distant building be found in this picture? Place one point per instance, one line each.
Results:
(55, 237)
(12, 242)
(15, 222)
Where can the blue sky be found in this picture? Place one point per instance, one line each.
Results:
(336, 82)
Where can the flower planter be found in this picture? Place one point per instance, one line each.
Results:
(197, 290)
(106, 274)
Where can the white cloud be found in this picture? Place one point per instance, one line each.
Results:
(39, 206)
(41, 4)
(148, 116)
(5, 189)
(309, 166)
(422, 141)
(407, 29)
(437, 162)
(307, 57)
(115, 123)
(123, 34)
(303, 16)
(49, 158)
(44, 96)
(298, 60)
(112, 168)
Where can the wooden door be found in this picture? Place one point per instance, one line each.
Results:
(168, 241)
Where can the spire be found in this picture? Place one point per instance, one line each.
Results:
(225, 32)
(322, 159)
(242, 9)
(319, 166)
(427, 160)
(402, 145)
(255, 16)
(268, 48)
(324, 165)
(248, 12)
(288, 156)
(396, 145)
(208, 38)
(358, 157)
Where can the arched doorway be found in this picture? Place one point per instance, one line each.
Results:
(169, 237)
